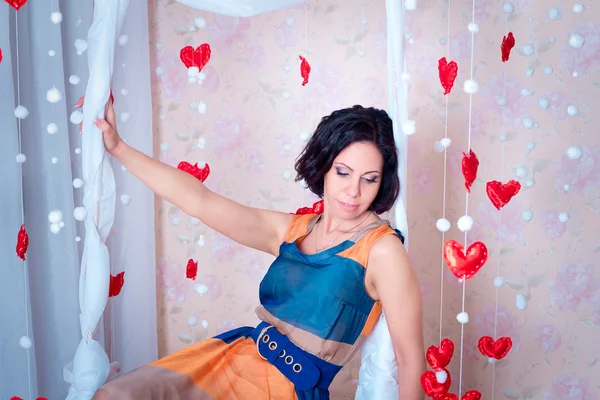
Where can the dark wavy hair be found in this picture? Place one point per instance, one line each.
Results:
(339, 130)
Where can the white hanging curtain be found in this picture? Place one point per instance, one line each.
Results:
(378, 376)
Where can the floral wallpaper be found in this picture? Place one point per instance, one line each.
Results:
(248, 116)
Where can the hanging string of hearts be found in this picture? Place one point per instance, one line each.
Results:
(16, 4)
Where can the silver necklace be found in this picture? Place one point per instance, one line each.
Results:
(317, 248)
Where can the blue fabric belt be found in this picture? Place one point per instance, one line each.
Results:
(303, 369)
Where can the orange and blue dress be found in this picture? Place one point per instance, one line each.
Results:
(315, 314)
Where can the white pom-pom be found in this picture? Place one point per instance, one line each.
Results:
(21, 112)
(438, 146)
(521, 301)
(578, 8)
(528, 122)
(521, 171)
(55, 228)
(202, 108)
(164, 146)
(528, 49)
(25, 342)
(290, 21)
(405, 76)
(53, 95)
(508, 8)
(123, 40)
(563, 217)
(56, 17)
(194, 221)
(573, 152)
(305, 136)
(193, 71)
(125, 117)
(465, 223)
(175, 221)
(201, 76)
(446, 142)
(287, 68)
(201, 242)
(530, 146)
(20, 158)
(125, 199)
(287, 174)
(62, 224)
(51, 53)
(201, 142)
(491, 360)
(409, 127)
(76, 117)
(74, 79)
(548, 69)
(499, 281)
(361, 53)
(471, 86)
(77, 183)
(55, 216)
(527, 215)
(200, 289)
(576, 41)
(303, 184)
(54, 160)
(410, 5)
(124, 92)
(462, 317)
(192, 321)
(52, 128)
(77, 150)
(80, 213)
(204, 323)
(200, 22)
(77, 239)
(572, 110)
(526, 92)
(501, 100)
(286, 95)
(473, 27)
(543, 103)
(442, 225)
(441, 376)
(554, 14)
(81, 46)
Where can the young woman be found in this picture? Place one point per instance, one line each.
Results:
(334, 273)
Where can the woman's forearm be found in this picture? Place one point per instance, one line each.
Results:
(409, 380)
(172, 184)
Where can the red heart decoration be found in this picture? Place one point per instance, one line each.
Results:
(304, 70)
(22, 242)
(198, 57)
(464, 266)
(448, 72)
(16, 4)
(0, 55)
(438, 358)
(495, 349)
(501, 193)
(508, 42)
(199, 173)
(191, 270)
(116, 284)
(317, 208)
(470, 164)
(432, 387)
(472, 395)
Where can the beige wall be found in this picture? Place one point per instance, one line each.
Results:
(252, 131)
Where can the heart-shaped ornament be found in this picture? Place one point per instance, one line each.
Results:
(508, 42)
(495, 349)
(116, 284)
(470, 164)
(438, 357)
(464, 265)
(198, 57)
(199, 173)
(500, 193)
(470, 395)
(448, 72)
(432, 387)
(16, 4)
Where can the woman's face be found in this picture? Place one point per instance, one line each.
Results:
(353, 181)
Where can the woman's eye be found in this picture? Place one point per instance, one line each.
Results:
(340, 173)
(370, 180)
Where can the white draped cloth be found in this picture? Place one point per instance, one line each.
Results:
(90, 367)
